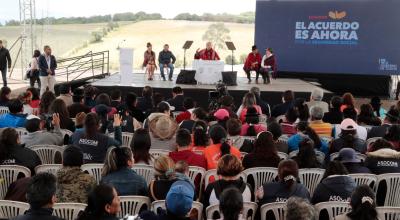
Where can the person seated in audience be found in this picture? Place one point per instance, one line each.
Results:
(348, 138)
(38, 133)
(140, 147)
(73, 185)
(252, 127)
(249, 100)
(288, 102)
(13, 153)
(164, 175)
(382, 158)
(276, 131)
(131, 105)
(35, 100)
(197, 114)
(393, 136)
(41, 196)
(65, 94)
(162, 133)
(90, 93)
(183, 141)
(177, 99)
(348, 101)
(103, 204)
(116, 98)
(103, 99)
(348, 157)
(362, 204)
(118, 172)
(350, 113)
(377, 107)
(157, 98)
(316, 123)
(201, 139)
(5, 94)
(15, 118)
(265, 108)
(80, 121)
(58, 107)
(227, 103)
(233, 128)
(264, 154)
(252, 63)
(367, 116)
(336, 185)
(303, 130)
(316, 100)
(286, 186)
(334, 115)
(26, 99)
(178, 204)
(219, 148)
(299, 209)
(302, 108)
(163, 109)
(231, 204)
(77, 105)
(206, 54)
(45, 102)
(229, 168)
(146, 103)
(188, 105)
(289, 123)
(392, 118)
(93, 143)
(221, 117)
(307, 157)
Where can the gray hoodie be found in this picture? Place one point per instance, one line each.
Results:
(43, 138)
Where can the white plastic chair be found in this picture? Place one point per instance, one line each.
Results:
(48, 168)
(364, 179)
(161, 204)
(283, 139)
(4, 110)
(388, 213)
(21, 131)
(280, 118)
(68, 211)
(126, 139)
(66, 132)
(158, 152)
(47, 153)
(392, 180)
(9, 174)
(208, 175)
(260, 175)
(247, 207)
(263, 118)
(195, 171)
(131, 205)
(146, 171)
(11, 209)
(242, 155)
(94, 169)
(283, 155)
(333, 208)
(310, 178)
(359, 156)
(278, 208)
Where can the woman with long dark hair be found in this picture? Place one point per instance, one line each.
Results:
(45, 102)
(201, 139)
(363, 206)
(249, 100)
(231, 204)
(252, 127)
(348, 101)
(35, 102)
(140, 145)
(377, 106)
(58, 106)
(367, 116)
(307, 158)
(149, 61)
(34, 69)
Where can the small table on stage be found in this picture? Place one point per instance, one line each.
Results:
(208, 71)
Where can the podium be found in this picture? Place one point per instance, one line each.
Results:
(208, 71)
(126, 66)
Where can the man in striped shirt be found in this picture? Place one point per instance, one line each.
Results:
(320, 127)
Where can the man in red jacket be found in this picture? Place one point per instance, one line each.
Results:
(206, 54)
(253, 63)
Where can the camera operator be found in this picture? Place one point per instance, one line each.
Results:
(214, 96)
(38, 133)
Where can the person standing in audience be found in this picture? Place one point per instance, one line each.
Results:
(299, 209)
(177, 98)
(46, 100)
(336, 185)
(264, 154)
(334, 115)
(348, 138)
(252, 63)
(166, 59)
(5, 94)
(268, 66)
(58, 106)
(286, 187)
(206, 54)
(77, 105)
(34, 69)
(392, 118)
(15, 118)
(38, 133)
(65, 94)
(140, 145)
(307, 157)
(367, 116)
(382, 158)
(316, 100)
(145, 103)
(164, 178)
(73, 185)
(41, 196)
(363, 206)
(47, 67)
(117, 172)
(219, 148)
(103, 204)
(231, 204)
(12, 152)
(249, 100)
(288, 102)
(348, 157)
(149, 61)
(316, 123)
(93, 143)
(5, 62)
(229, 167)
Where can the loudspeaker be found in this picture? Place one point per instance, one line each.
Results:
(229, 78)
(186, 77)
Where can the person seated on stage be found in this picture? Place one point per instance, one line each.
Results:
(166, 59)
(253, 63)
(268, 65)
(177, 99)
(149, 61)
(206, 54)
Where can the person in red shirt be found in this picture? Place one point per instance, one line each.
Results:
(206, 54)
(188, 105)
(253, 63)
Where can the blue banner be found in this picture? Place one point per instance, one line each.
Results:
(348, 37)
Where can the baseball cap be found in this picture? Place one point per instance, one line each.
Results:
(163, 106)
(30, 117)
(180, 198)
(348, 155)
(221, 114)
(348, 124)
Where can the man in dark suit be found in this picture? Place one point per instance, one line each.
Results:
(177, 99)
(392, 118)
(5, 61)
(47, 67)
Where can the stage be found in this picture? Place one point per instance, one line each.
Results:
(271, 92)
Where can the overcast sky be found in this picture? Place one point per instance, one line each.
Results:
(168, 8)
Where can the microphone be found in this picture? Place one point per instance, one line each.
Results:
(118, 47)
